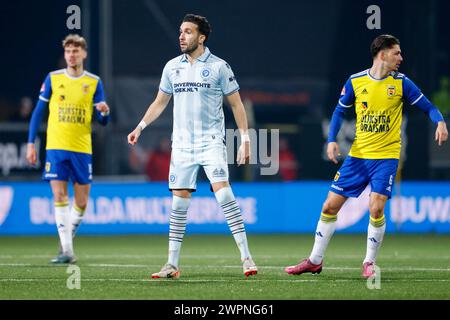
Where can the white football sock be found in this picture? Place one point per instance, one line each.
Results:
(324, 232)
(62, 219)
(76, 217)
(178, 218)
(235, 221)
(375, 234)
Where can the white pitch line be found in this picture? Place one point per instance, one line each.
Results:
(218, 280)
(268, 267)
(212, 256)
(112, 265)
(261, 267)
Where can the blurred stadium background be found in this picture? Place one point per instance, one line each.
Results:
(291, 59)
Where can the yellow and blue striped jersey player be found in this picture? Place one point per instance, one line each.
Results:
(72, 96)
(377, 94)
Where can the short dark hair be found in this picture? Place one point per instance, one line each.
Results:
(385, 41)
(74, 40)
(202, 23)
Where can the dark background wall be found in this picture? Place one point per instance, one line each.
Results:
(279, 47)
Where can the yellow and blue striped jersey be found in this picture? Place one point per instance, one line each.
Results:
(71, 105)
(378, 107)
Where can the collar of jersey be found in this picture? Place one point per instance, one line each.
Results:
(375, 79)
(202, 58)
(72, 77)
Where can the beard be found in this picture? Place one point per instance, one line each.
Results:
(395, 67)
(74, 65)
(190, 48)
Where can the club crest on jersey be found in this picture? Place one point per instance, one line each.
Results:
(85, 88)
(391, 91)
(178, 72)
(364, 105)
(62, 97)
(47, 166)
(336, 177)
(206, 73)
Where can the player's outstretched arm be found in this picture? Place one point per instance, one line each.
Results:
(441, 134)
(416, 98)
(153, 112)
(240, 117)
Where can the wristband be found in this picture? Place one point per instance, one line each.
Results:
(142, 125)
(245, 138)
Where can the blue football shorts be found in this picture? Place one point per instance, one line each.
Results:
(356, 173)
(65, 165)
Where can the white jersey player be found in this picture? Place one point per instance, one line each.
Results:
(198, 81)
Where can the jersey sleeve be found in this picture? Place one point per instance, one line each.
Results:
(347, 98)
(411, 93)
(36, 119)
(46, 89)
(99, 95)
(228, 83)
(165, 84)
(336, 122)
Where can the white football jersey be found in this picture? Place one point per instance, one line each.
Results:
(198, 91)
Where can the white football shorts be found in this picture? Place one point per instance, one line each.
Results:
(185, 163)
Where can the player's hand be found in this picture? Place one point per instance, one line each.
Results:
(134, 136)
(102, 107)
(243, 154)
(333, 151)
(441, 134)
(31, 154)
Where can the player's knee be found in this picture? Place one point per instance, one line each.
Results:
(182, 193)
(81, 204)
(219, 185)
(376, 209)
(60, 196)
(330, 208)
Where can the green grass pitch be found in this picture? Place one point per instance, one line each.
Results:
(119, 267)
